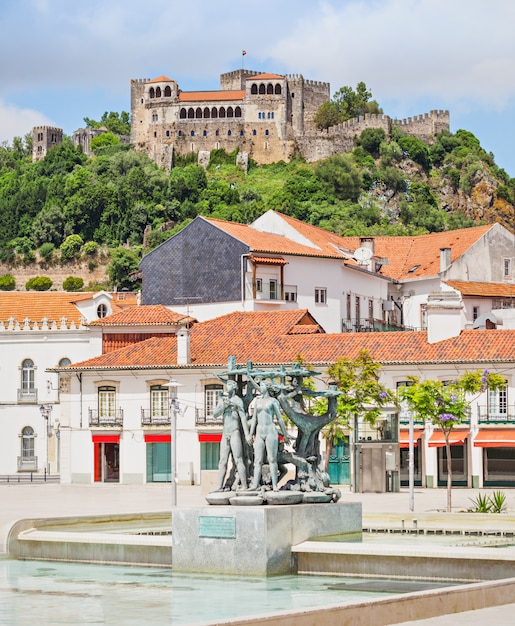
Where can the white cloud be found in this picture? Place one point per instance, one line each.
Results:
(16, 122)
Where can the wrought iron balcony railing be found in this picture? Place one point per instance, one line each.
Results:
(149, 418)
(496, 415)
(201, 419)
(113, 418)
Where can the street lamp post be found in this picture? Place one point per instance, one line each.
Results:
(46, 413)
(173, 385)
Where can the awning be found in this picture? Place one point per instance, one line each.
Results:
(456, 437)
(495, 438)
(404, 437)
(210, 437)
(157, 438)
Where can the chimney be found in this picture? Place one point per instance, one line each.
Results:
(445, 316)
(183, 346)
(445, 258)
(367, 242)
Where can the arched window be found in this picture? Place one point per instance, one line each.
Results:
(191, 113)
(180, 133)
(152, 92)
(254, 89)
(207, 113)
(278, 89)
(217, 133)
(214, 112)
(198, 113)
(167, 133)
(192, 133)
(64, 362)
(241, 133)
(259, 115)
(221, 112)
(237, 112)
(182, 113)
(266, 131)
(229, 133)
(27, 378)
(254, 132)
(270, 88)
(262, 89)
(27, 446)
(230, 112)
(158, 92)
(268, 114)
(101, 310)
(204, 134)
(168, 91)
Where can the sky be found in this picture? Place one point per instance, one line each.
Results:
(63, 60)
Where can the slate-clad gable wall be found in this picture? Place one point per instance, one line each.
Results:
(200, 264)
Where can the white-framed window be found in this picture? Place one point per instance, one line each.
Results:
(27, 377)
(357, 308)
(507, 268)
(475, 313)
(320, 295)
(211, 394)
(101, 310)
(273, 290)
(159, 401)
(27, 445)
(107, 402)
(498, 402)
(259, 285)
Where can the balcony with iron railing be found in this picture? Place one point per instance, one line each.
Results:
(203, 419)
(30, 396)
(496, 415)
(27, 463)
(368, 325)
(272, 290)
(113, 418)
(153, 418)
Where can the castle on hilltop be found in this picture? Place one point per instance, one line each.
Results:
(267, 116)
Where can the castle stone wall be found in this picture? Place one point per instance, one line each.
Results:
(44, 138)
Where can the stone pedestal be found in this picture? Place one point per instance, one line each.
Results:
(253, 540)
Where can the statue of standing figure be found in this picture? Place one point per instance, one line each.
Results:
(230, 406)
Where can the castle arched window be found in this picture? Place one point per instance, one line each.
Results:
(27, 378)
(168, 91)
(27, 446)
(237, 112)
(221, 112)
(268, 115)
(180, 133)
(204, 134)
(262, 89)
(217, 133)
(254, 132)
(259, 115)
(230, 112)
(152, 92)
(198, 113)
(278, 89)
(192, 133)
(229, 133)
(272, 115)
(191, 113)
(182, 113)
(167, 133)
(270, 88)
(207, 113)
(242, 133)
(254, 89)
(266, 131)
(158, 92)
(214, 112)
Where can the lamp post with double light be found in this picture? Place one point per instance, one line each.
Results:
(174, 407)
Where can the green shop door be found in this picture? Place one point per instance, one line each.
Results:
(158, 460)
(339, 463)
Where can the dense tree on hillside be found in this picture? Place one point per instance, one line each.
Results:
(345, 104)
(117, 123)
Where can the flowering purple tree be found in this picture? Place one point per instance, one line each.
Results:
(447, 404)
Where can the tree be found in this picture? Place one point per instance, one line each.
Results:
(123, 262)
(73, 283)
(70, 247)
(327, 115)
(446, 404)
(362, 394)
(118, 123)
(340, 177)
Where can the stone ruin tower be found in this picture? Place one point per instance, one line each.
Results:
(44, 138)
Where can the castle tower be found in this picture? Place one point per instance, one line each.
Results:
(44, 138)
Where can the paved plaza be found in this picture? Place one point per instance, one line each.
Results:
(54, 500)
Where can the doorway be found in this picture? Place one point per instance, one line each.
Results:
(339, 463)
(107, 462)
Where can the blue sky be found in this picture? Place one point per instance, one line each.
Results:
(64, 60)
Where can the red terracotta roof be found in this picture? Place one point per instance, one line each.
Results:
(144, 315)
(270, 338)
(35, 306)
(486, 290)
(266, 76)
(268, 260)
(160, 79)
(200, 96)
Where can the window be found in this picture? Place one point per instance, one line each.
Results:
(159, 402)
(27, 446)
(182, 114)
(209, 455)
(167, 133)
(254, 89)
(357, 309)
(27, 377)
(229, 133)
(320, 295)
(266, 132)
(423, 316)
(211, 393)
(158, 92)
(507, 268)
(349, 306)
(64, 362)
(498, 402)
(106, 402)
(180, 133)
(475, 313)
(370, 309)
(191, 113)
(254, 132)
(273, 290)
(259, 285)
(168, 91)
(192, 133)
(101, 310)
(290, 296)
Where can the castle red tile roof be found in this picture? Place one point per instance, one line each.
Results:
(144, 315)
(272, 337)
(486, 290)
(200, 96)
(160, 79)
(266, 76)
